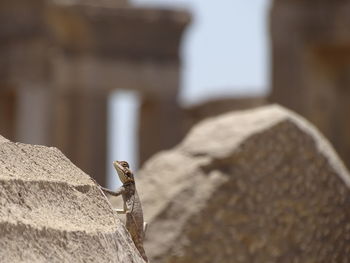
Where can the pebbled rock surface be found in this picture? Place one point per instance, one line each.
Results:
(253, 186)
(51, 211)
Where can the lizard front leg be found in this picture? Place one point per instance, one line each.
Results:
(117, 192)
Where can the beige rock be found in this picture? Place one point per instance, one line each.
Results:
(51, 211)
(2, 139)
(260, 185)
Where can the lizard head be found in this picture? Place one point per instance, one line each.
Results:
(124, 172)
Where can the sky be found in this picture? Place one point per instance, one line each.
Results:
(224, 52)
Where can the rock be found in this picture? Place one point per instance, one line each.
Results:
(51, 211)
(259, 185)
(2, 139)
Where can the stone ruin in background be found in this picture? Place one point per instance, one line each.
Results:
(60, 60)
(311, 65)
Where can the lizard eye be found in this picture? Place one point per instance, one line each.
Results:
(125, 164)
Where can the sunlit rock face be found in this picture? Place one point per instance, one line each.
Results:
(260, 185)
(51, 211)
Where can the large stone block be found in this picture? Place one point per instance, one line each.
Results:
(51, 211)
(260, 185)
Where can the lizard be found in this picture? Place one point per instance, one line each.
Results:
(132, 205)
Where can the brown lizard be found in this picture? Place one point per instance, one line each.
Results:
(132, 205)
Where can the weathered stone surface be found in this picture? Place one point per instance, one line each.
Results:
(2, 139)
(253, 186)
(51, 211)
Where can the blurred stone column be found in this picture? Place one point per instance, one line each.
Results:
(24, 71)
(80, 130)
(7, 113)
(160, 125)
(311, 65)
(34, 115)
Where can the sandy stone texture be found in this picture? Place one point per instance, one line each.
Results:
(51, 211)
(260, 185)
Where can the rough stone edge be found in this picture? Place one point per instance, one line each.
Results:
(3, 139)
(321, 142)
(282, 114)
(78, 187)
(93, 182)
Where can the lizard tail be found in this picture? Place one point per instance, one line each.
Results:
(143, 254)
(139, 245)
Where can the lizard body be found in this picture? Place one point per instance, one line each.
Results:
(132, 205)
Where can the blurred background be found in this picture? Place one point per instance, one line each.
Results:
(117, 79)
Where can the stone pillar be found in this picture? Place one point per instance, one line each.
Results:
(80, 123)
(311, 63)
(23, 70)
(34, 115)
(7, 113)
(159, 126)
